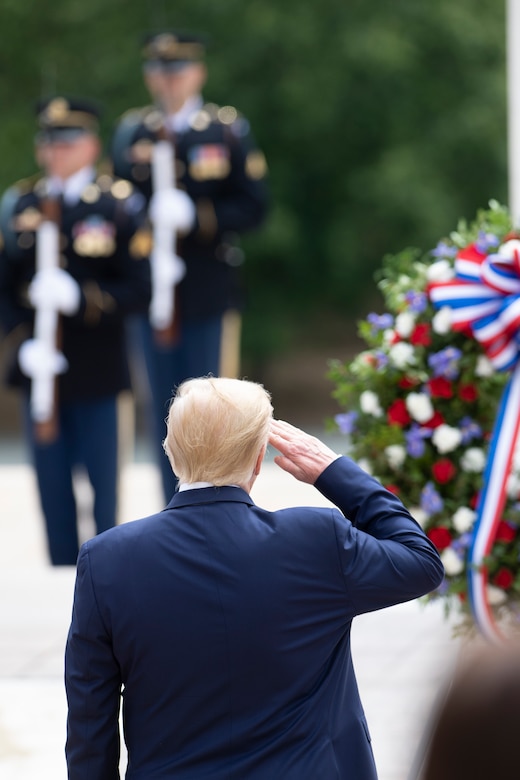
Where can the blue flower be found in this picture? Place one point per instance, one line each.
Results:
(445, 362)
(486, 241)
(469, 429)
(415, 437)
(346, 422)
(382, 360)
(380, 322)
(461, 544)
(417, 301)
(431, 501)
(444, 250)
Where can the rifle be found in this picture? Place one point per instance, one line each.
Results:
(163, 310)
(43, 400)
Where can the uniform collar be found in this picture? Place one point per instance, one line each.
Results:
(180, 121)
(71, 188)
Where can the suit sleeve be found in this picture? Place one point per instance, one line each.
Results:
(93, 686)
(385, 556)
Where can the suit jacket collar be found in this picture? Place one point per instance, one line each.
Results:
(210, 495)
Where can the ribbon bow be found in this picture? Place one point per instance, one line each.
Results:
(484, 298)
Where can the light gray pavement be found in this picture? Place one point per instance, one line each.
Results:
(402, 655)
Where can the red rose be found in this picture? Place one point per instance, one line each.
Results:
(392, 489)
(440, 536)
(434, 421)
(421, 335)
(440, 387)
(504, 578)
(468, 393)
(398, 413)
(474, 500)
(443, 471)
(406, 383)
(505, 533)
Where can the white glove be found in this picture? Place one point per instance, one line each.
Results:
(54, 288)
(36, 359)
(174, 209)
(167, 270)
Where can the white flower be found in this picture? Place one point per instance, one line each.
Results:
(441, 271)
(446, 438)
(402, 355)
(395, 455)
(452, 563)
(513, 486)
(419, 515)
(388, 336)
(369, 403)
(516, 457)
(365, 464)
(484, 366)
(463, 519)
(441, 321)
(513, 482)
(420, 406)
(495, 596)
(404, 324)
(510, 248)
(473, 460)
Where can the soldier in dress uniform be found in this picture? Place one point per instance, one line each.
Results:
(210, 191)
(73, 265)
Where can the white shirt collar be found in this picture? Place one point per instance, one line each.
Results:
(194, 485)
(71, 188)
(180, 121)
(197, 485)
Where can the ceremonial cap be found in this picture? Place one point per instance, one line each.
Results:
(173, 50)
(65, 118)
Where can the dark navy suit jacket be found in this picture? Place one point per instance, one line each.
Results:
(228, 628)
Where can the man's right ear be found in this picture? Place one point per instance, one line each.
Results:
(260, 460)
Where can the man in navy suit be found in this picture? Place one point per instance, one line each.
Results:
(225, 628)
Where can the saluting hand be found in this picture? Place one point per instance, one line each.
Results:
(302, 455)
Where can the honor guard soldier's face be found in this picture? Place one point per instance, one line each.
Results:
(63, 154)
(170, 85)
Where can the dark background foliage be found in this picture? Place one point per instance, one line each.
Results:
(382, 123)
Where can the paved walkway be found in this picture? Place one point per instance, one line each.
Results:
(401, 655)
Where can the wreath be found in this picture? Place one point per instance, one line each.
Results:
(429, 404)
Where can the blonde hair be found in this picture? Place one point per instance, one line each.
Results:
(216, 429)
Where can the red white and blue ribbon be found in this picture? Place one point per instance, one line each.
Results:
(484, 298)
(491, 503)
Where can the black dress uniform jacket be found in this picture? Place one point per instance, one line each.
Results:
(222, 170)
(104, 247)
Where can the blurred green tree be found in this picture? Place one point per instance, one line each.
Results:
(383, 123)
